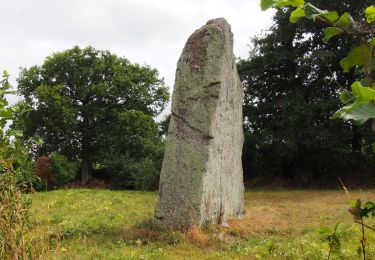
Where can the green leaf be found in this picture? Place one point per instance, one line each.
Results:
(312, 11)
(363, 94)
(369, 204)
(345, 20)
(331, 16)
(361, 110)
(329, 32)
(6, 114)
(370, 14)
(359, 56)
(359, 114)
(296, 15)
(36, 140)
(11, 92)
(324, 230)
(336, 227)
(18, 133)
(366, 82)
(266, 4)
(3, 103)
(5, 74)
(373, 147)
(294, 3)
(347, 97)
(352, 203)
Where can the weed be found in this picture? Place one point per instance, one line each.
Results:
(171, 238)
(14, 218)
(16, 222)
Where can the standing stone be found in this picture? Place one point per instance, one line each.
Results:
(201, 179)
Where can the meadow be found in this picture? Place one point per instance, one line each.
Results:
(104, 224)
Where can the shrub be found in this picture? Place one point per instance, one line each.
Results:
(147, 175)
(63, 169)
(25, 174)
(15, 171)
(55, 171)
(22, 166)
(127, 173)
(43, 170)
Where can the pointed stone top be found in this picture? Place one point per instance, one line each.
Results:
(198, 42)
(219, 23)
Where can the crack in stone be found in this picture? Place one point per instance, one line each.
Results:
(206, 138)
(207, 96)
(194, 98)
(213, 84)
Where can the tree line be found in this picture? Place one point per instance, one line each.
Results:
(94, 113)
(293, 80)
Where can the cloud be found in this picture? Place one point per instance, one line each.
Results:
(144, 31)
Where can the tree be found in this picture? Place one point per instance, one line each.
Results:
(135, 152)
(291, 89)
(164, 125)
(359, 102)
(76, 97)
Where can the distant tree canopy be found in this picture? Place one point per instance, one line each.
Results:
(88, 103)
(291, 89)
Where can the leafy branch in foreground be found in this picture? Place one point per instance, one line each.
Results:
(15, 217)
(359, 212)
(333, 237)
(358, 103)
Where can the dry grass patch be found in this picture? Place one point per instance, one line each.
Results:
(271, 212)
(199, 237)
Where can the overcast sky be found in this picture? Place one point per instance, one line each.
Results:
(149, 32)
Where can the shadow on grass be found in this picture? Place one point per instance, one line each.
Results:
(146, 232)
(141, 233)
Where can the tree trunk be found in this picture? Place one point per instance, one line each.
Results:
(86, 173)
(303, 167)
(356, 139)
(85, 155)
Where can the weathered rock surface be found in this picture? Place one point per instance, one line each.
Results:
(201, 179)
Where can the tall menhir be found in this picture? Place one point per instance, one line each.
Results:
(201, 179)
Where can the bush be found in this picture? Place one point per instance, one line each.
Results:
(43, 170)
(63, 170)
(147, 175)
(127, 173)
(25, 174)
(22, 167)
(55, 171)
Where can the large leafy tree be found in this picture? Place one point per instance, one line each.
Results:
(76, 100)
(291, 83)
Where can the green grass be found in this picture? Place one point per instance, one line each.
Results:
(103, 224)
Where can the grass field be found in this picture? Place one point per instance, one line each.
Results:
(103, 224)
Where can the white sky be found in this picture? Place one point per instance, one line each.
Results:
(144, 31)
